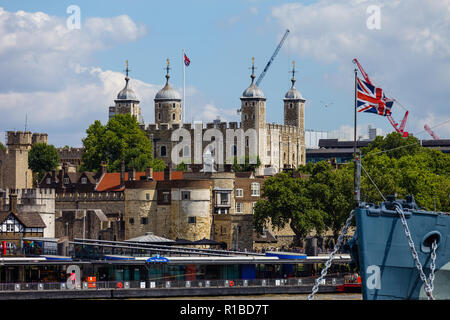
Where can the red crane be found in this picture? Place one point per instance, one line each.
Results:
(431, 132)
(400, 129)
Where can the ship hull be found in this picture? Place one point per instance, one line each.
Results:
(387, 267)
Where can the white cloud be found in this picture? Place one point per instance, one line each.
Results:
(47, 77)
(38, 51)
(232, 20)
(408, 56)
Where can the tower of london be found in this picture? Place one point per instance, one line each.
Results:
(276, 146)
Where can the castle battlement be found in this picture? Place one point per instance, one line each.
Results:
(70, 152)
(190, 126)
(39, 138)
(19, 138)
(90, 196)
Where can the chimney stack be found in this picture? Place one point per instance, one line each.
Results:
(1, 200)
(132, 174)
(166, 173)
(13, 201)
(104, 168)
(149, 174)
(122, 174)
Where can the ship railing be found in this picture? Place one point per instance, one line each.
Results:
(167, 284)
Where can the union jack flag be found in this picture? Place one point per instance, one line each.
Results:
(372, 99)
(187, 62)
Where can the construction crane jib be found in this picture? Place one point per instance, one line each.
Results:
(261, 76)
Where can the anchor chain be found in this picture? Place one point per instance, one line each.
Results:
(428, 286)
(335, 249)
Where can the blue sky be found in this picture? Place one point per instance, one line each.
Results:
(62, 81)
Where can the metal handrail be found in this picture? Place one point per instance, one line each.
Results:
(160, 284)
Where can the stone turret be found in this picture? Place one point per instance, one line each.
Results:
(14, 160)
(127, 101)
(167, 104)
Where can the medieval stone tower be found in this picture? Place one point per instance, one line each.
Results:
(278, 146)
(14, 172)
(127, 102)
(294, 115)
(253, 115)
(294, 105)
(167, 104)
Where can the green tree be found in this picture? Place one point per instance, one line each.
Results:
(288, 200)
(423, 173)
(2, 147)
(324, 200)
(120, 139)
(394, 145)
(158, 165)
(42, 158)
(182, 166)
(246, 166)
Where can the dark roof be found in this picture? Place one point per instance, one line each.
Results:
(31, 220)
(244, 174)
(328, 151)
(28, 219)
(183, 241)
(267, 236)
(335, 143)
(436, 143)
(208, 241)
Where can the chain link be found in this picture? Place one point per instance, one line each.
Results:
(335, 249)
(432, 264)
(428, 286)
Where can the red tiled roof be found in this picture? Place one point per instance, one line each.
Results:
(111, 180)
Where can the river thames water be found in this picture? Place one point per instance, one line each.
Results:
(318, 296)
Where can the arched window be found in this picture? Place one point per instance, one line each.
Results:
(159, 115)
(173, 116)
(163, 151)
(173, 106)
(186, 151)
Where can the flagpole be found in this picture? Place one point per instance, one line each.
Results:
(184, 94)
(355, 191)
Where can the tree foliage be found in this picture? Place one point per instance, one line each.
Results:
(313, 204)
(43, 158)
(2, 147)
(158, 165)
(324, 199)
(182, 167)
(425, 174)
(246, 165)
(120, 139)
